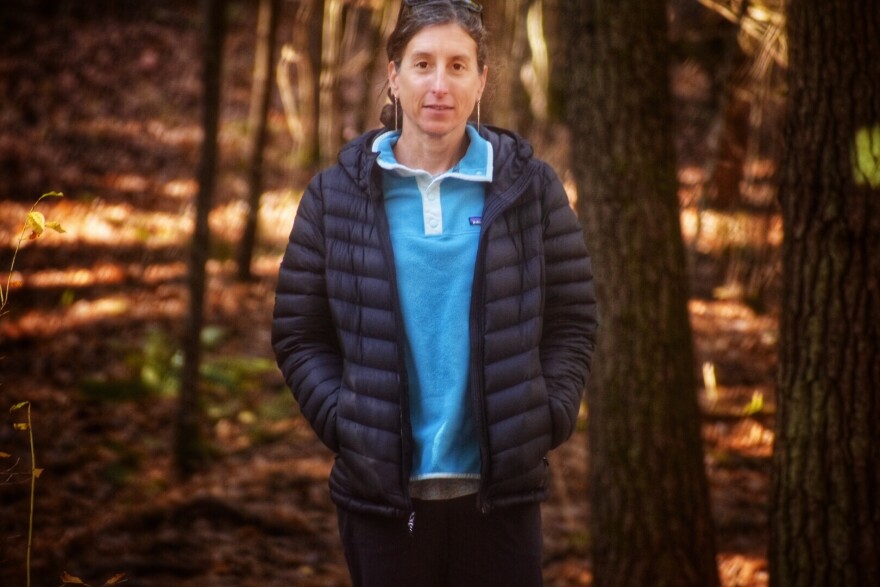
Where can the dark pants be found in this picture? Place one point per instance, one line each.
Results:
(451, 545)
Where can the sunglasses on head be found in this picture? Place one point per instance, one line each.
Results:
(472, 6)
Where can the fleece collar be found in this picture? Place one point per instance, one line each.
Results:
(476, 165)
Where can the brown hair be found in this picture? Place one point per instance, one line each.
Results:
(412, 19)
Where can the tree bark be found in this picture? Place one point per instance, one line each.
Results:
(261, 94)
(328, 121)
(650, 522)
(315, 44)
(825, 503)
(506, 102)
(376, 72)
(188, 446)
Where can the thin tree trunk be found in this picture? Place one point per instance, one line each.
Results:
(536, 73)
(261, 94)
(188, 445)
(508, 100)
(315, 48)
(650, 518)
(357, 58)
(825, 503)
(299, 101)
(328, 122)
(381, 24)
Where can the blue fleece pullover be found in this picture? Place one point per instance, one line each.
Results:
(435, 228)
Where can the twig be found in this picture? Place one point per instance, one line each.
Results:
(35, 472)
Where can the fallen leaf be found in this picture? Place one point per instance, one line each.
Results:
(67, 578)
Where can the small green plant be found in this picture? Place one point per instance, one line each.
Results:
(36, 223)
(154, 369)
(34, 227)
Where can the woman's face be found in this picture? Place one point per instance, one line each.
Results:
(439, 81)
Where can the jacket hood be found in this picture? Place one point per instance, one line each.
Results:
(512, 154)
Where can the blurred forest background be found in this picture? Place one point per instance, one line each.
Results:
(170, 448)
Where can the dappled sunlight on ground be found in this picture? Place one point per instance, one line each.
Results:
(742, 571)
(264, 451)
(711, 231)
(98, 222)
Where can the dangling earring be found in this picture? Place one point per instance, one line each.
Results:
(395, 112)
(478, 116)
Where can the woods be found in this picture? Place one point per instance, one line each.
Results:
(722, 156)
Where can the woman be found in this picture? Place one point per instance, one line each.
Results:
(435, 318)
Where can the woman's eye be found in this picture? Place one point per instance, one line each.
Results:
(422, 65)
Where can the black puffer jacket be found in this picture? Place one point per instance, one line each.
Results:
(337, 328)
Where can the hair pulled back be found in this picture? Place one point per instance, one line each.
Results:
(411, 20)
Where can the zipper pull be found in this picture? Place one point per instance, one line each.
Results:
(411, 524)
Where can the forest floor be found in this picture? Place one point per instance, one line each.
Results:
(105, 108)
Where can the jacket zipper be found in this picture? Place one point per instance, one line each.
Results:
(405, 425)
(477, 339)
(477, 379)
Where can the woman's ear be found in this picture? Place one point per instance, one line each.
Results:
(392, 78)
(483, 78)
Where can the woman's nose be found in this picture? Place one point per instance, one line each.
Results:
(440, 85)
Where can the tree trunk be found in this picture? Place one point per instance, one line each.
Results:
(376, 72)
(650, 520)
(315, 44)
(188, 447)
(508, 101)
(825, 509)
(300, 102)
(328, 122)
(261, 94)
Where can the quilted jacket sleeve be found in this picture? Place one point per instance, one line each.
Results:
(570, 313)
(303, 334)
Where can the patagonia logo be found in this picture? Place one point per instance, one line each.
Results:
(476, 220)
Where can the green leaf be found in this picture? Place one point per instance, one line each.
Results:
(755, 406)
(36, 222)
(52, 195)
(18, 406)
(38, 472)
(21, 426)
(56, 227)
